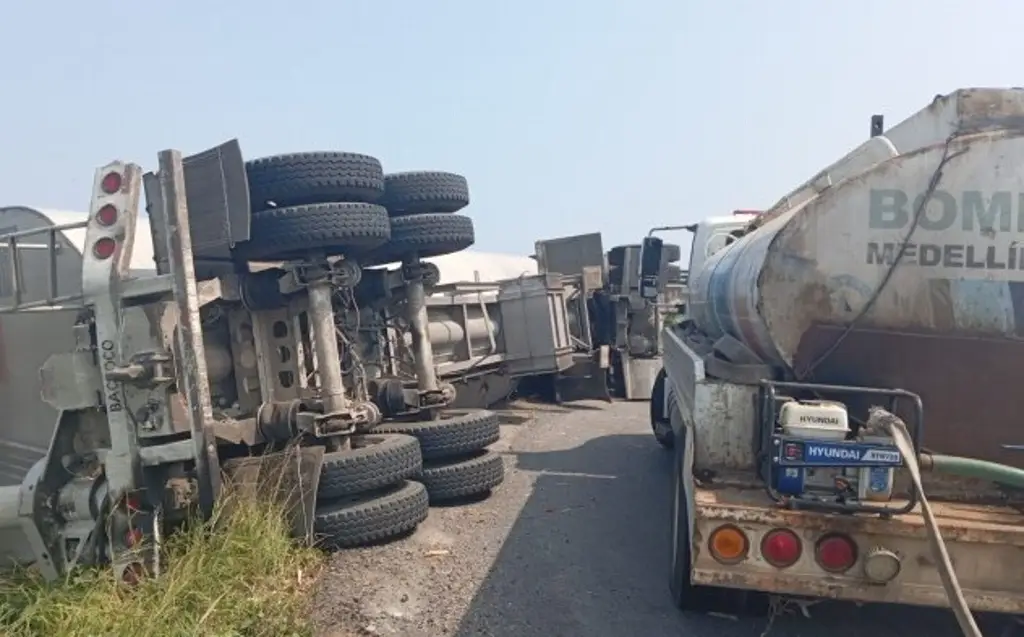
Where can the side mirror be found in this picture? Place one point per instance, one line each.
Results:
(650, 267)
(877, 125)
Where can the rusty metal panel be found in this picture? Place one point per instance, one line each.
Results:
(722, 415)
(725, 419)
(969, 385)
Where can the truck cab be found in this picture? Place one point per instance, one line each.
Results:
(709, 236)
(714, 233)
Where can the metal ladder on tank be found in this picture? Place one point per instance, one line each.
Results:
(12, 245)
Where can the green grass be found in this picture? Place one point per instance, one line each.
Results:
(246, 578)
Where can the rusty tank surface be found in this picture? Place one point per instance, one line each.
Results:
(900, 265)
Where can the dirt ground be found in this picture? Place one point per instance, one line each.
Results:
(574, 543)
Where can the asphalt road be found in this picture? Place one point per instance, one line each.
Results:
(575, 543)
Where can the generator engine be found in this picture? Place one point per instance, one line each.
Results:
(815, 455)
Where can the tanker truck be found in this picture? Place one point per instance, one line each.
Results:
(841, 397)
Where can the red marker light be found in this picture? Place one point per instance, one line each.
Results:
(104, 248)
(111, 183)
(107, 215)
(781, 548)
(836, 553)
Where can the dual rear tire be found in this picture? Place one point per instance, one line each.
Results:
(366, 494)
(336, 203)
(456, 461)
(382, 487)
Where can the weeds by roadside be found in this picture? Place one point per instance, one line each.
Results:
(246, 579)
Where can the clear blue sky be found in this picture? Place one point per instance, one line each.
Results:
(567, 116)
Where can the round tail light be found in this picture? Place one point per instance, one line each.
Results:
(781, 548)
(111, 183)
(104, 248)
(835, 553)
(728, 544)
(107, 215)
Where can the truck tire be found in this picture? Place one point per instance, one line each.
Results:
(464, 476)
(279, 234)
(369, 518)
(686, 595)
(309, 178)
(420, 192)
(375, 461)
(457, 432)
(660, 424)
(428, 235)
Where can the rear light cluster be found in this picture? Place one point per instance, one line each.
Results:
(107, 215)
(782, 548)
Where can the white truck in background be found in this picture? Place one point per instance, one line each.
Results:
(867, 328)
(709, 236)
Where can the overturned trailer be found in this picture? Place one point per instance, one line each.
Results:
(157, 360)
(623, 313)
(483, 337)
(576, 318)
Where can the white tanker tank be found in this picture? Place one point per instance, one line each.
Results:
(900, 265)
